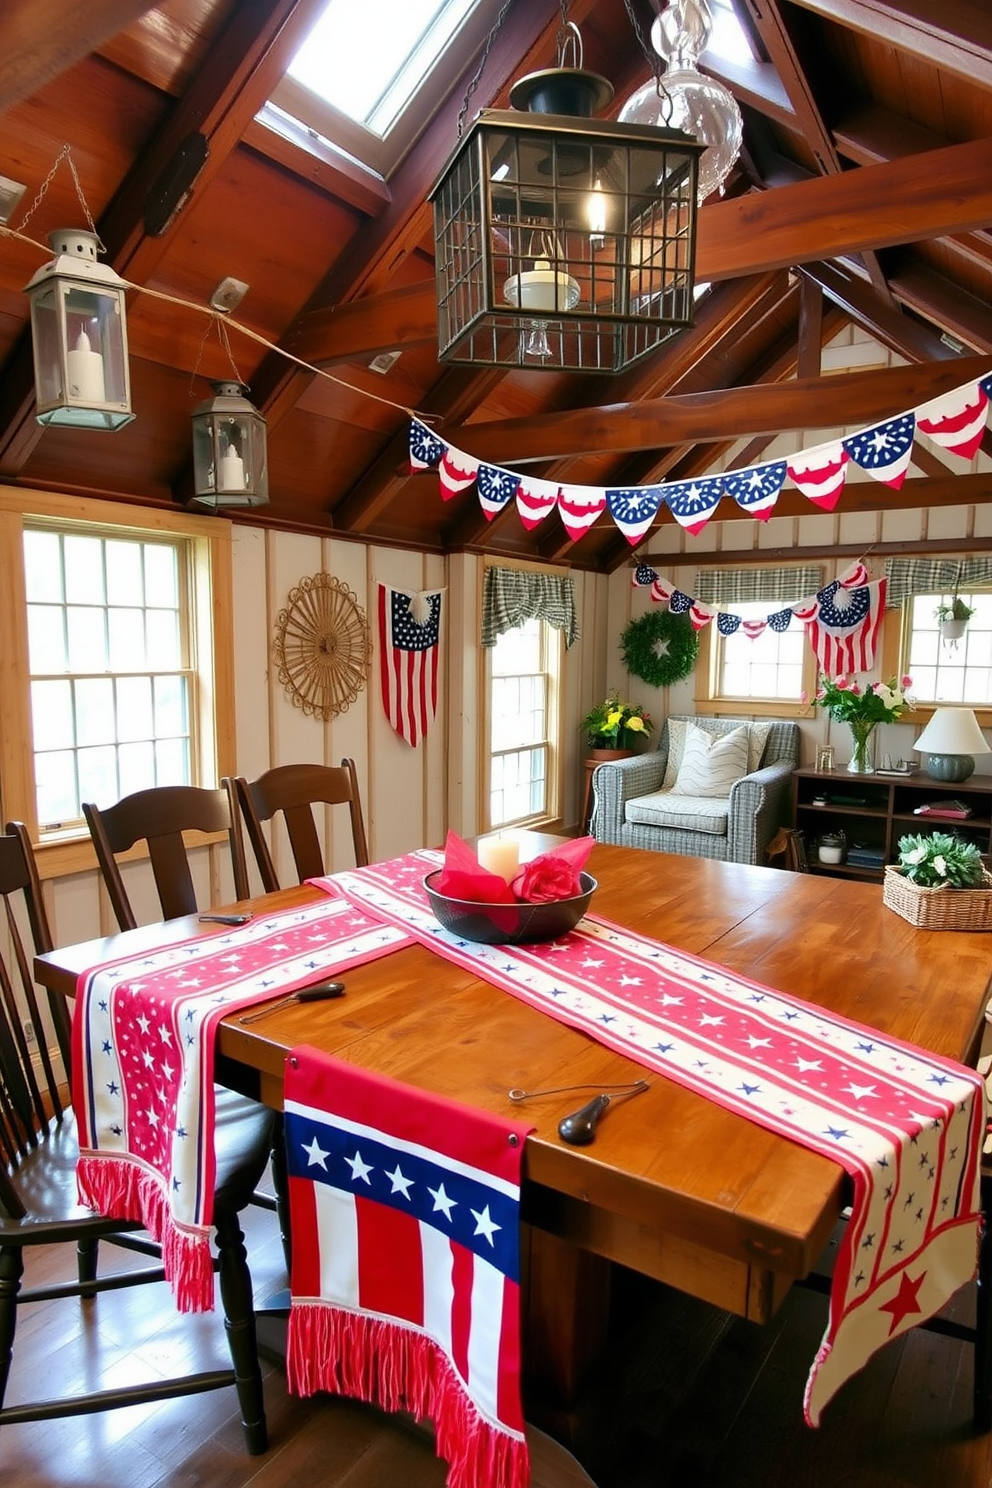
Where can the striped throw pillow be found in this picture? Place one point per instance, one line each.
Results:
(710, 766)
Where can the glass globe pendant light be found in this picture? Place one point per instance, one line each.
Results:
(686, 99)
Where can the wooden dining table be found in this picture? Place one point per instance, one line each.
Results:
(674, 1185)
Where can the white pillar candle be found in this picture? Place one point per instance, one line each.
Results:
(85, 368)
(500, 855)
(232, 471)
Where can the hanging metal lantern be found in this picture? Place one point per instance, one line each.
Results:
(562, 241)
(230, 459)
(79, 337)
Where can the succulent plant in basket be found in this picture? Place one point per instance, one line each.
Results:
(937, 860)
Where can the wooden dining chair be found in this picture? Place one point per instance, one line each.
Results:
(38, 1203)
(291, 792)
(160, 817)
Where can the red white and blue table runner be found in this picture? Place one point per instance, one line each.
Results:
(405, 1215)
(143, 1039)
(907, 1125)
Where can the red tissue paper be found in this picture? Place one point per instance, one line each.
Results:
(550, 876)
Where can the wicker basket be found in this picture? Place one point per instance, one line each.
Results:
(939, 909)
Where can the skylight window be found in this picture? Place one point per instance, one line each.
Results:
(727, 38)
(368, 60)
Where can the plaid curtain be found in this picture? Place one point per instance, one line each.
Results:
(512, 595)
(908, 576)
(744, 585)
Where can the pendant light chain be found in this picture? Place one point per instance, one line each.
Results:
(64, 154)
(490, 42)
(654, 62)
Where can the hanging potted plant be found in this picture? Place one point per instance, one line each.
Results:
(952, 619)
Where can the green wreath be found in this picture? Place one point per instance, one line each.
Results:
(660, 648)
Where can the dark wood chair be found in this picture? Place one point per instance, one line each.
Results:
(160, 817)
(292, 791)
(38, 1204)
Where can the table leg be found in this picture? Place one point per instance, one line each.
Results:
(566, 1315)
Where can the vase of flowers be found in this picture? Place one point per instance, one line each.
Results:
(613, 727)
(863, 710)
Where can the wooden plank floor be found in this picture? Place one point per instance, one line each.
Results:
(689, 1398)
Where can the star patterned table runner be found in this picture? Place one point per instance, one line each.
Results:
(907, 1125)
(143, 1041)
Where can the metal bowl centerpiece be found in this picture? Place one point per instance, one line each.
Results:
(509, 924)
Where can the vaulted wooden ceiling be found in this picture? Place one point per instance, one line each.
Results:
(863, 192)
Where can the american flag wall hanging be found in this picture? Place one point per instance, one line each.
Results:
(409, 629)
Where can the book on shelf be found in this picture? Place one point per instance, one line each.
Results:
(954, 809)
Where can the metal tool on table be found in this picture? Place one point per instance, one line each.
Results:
(319, 992)
(579, 1128)
(224, 919)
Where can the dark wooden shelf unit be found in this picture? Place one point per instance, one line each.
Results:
(874, 811)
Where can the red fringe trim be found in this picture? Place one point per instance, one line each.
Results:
(398, 1369)
(123, 1189)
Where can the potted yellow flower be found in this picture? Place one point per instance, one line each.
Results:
(613, 727)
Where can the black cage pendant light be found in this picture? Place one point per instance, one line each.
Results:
(563, 241)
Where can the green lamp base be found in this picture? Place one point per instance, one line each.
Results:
(952, 767)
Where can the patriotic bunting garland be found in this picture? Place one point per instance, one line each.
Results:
(955, 421)
(842, 619)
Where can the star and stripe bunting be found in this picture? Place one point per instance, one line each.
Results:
(842, 619)
(907, 1125)
(955, 421)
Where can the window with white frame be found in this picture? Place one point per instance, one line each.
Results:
(116, 660)
(112, 695)
(949, 671)
(523, 724)
(773, 666)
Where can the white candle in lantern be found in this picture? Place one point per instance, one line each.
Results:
(500, 855)
(232, 470)
(85, 368)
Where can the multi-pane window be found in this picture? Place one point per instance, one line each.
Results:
(768, 666)
(111, 687)
(949, 671)
(523, 724)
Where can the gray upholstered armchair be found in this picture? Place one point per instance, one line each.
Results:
(634, 806)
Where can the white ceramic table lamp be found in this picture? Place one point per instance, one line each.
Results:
(950, 740)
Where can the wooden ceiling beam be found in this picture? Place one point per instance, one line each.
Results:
(240, 71)
(905, 200)
(41, 38)
(728, 310)
(374, 253)
(829, 402)
(954, 36)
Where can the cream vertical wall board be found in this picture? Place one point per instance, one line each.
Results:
(252, 650)
(346, 736)
(983, 521)
(397, 815)
(294, 737)
(777, 532)
(463, 724)
(816, 531)
(435, 760)
(949, 521)
(900, 526)
(856, 527)
(737, 536)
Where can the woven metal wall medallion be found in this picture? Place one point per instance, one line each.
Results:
(322, 647)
